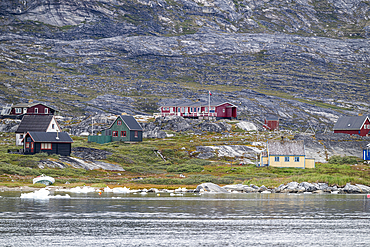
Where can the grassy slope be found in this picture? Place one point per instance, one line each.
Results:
(141, 160)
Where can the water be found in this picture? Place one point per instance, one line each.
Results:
(191, 220)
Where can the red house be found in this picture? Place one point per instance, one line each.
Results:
(30, 109)
(271, 123)
(219, 110)
(353, 125)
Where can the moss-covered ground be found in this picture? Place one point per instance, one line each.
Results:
(145, 168)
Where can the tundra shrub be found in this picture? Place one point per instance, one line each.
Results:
(340, 160)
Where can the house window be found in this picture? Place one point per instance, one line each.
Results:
(27, 145)
(52, 126)
(136, 134)
(286, 159)
(31, 145)
(36, 110)
(123, 133)
(277, 159)
(223, 110)
(296, 159)
(46, 145)
(46, 110)
(21, 136)
(18, 110)
(115, 134)
(119, 122)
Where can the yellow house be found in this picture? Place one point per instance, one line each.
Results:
(286, 154)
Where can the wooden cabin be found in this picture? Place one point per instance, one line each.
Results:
(286, 154)
(32, 109)
(47, 142)
(218, 110)
(359, 125)
(124, 129)
(271, 123)
(36, 123)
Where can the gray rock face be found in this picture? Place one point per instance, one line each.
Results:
(9, 125)
(142, 48)
(323, 146)
(90, 153)
(215, 127)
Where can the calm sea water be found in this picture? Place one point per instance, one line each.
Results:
(190, 220)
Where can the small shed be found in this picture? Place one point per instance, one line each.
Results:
(271, 123)
(286, 154)
(35, 123)
(124, 129)
(359, 125)
(47, 142)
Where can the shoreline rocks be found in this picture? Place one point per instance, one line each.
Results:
(304, 187)
(290, 188)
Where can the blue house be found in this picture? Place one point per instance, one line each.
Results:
(366, 153)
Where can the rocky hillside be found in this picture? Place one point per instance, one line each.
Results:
(305, 61)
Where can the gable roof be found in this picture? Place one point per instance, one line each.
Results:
(28, 105)
(39, 123)
(130, 122)
(63, 137)
(350, 123)
(286, 148)
(272, 118)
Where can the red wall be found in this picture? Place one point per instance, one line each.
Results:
(362, 132)
(228, 111)
(31, 110)
(272, 124)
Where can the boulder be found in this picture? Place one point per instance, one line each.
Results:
(363, 188)
(210, 187)
(351, 189)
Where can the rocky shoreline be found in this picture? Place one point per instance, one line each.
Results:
(292, 187)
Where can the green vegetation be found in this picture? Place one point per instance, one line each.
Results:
(178, 167)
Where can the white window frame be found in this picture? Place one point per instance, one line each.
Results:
(18, 110)
(46, 146)
(36, 110)
(286, 159)
(46, 110)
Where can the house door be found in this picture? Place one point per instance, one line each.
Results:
(32, 147)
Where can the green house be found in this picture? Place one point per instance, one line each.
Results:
(124, 129)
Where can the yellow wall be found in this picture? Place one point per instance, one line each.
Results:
(263, 160)
(310, 163)
(283, 163)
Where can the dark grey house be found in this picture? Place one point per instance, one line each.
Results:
(35, 123)
(47, 142)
